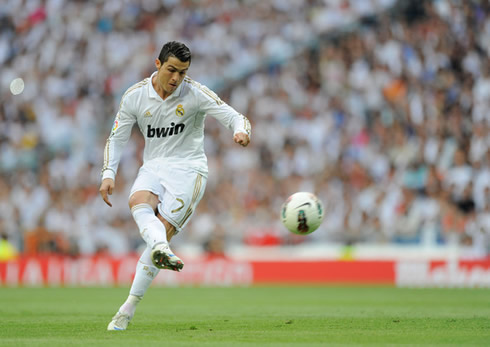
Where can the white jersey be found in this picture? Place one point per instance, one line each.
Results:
(173, 128)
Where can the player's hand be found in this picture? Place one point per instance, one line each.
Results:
(106, 188)
(241, 139)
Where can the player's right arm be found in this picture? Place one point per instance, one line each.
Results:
(106, 188)
(120, 134)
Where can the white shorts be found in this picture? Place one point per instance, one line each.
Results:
(178, 189)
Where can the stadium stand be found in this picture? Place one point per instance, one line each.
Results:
(381, 108)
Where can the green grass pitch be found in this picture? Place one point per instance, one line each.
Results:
(256, 316)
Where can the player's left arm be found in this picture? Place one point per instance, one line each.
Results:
(213, 106)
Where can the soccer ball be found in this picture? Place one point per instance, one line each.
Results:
(302, 213)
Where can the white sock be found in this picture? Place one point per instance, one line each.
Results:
(129, 305)
(141, 282)
(144, 274)
(151, 228)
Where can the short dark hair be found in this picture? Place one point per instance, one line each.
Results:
(175, 49)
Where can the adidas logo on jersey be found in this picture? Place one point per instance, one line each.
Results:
(173, 129)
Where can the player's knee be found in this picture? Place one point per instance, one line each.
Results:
(133, 200)
(143, 197)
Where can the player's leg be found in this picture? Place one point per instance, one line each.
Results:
(143, 201)
(145, 273)
(154, 230)
(143, 206)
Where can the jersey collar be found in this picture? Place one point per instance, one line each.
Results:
(152, 93)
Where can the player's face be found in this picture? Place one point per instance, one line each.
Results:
(170, 74)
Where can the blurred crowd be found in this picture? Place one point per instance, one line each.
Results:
(382, 110)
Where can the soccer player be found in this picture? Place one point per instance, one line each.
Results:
(169, 108)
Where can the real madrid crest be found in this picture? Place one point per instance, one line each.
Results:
(179, 111)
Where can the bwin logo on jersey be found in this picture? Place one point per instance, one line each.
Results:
(173, 129)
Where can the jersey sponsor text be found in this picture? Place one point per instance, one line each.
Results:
(173, 129)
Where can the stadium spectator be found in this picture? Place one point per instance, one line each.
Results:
(7, 250)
